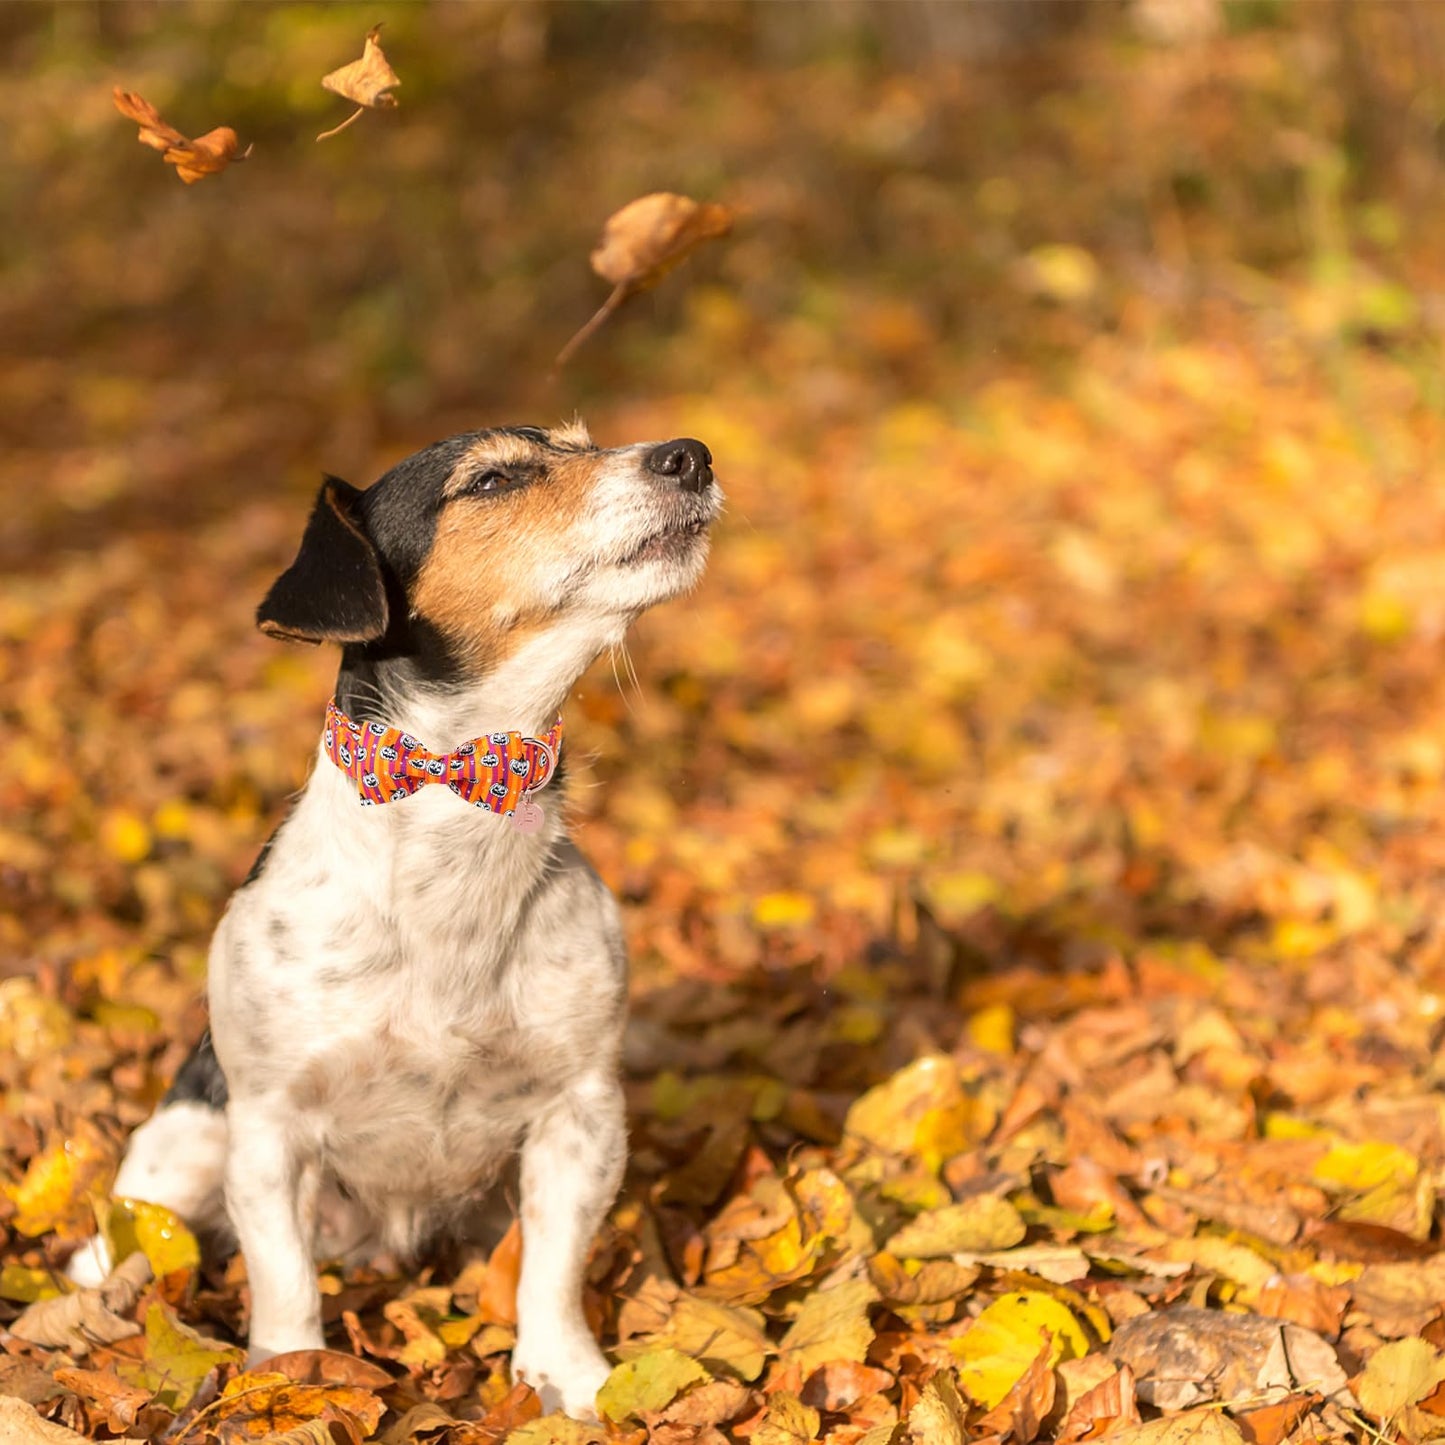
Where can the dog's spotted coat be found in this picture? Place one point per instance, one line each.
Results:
(405, 999)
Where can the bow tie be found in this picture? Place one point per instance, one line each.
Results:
(498, 771)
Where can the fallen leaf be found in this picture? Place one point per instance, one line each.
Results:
(88, 1316)
(786, 1421)
(1003, 1342)
(832, 1325)
(207, 155)
(1020, 1414)
(1193, 1427)
(1103, 1410)
(984, 1222)
(1186, 1356)
(132, 1224)
(647, 1383)
(940, 1415)
(1397, 1376)
(842, 1383)
(177, 1359)
(366, 82)
(714, 1402)
(22, 1424)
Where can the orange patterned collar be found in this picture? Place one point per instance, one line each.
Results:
(500, 771)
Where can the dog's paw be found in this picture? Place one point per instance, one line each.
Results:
(90, 1264)
(257, 1355)
(566, 1374)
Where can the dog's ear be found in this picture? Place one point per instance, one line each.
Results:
(334, 591)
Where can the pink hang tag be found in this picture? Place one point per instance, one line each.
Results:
(527, 817)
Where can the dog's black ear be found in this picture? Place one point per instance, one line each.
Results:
(334, 591)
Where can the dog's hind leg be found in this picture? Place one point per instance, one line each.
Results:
(176, 1158)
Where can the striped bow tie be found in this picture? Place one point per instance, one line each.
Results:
(500, 771)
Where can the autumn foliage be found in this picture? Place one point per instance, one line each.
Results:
(1030, 832)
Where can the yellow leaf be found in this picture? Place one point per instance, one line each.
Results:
(1005, 1340)
(788, 1421)
(1398, 1375)
(1366, 1166)
(125, 836)
(54, 1192)
(132, 1224)
(649, 1382)
(177, 1359)
(832, 1325)
(21, 1282)
(922, 1110)
(784, 910)
(727, 1339)
(984, 1222)
(992, 1029)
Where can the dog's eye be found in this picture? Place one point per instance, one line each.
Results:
(488, 481)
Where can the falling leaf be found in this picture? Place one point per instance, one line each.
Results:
(366, 82)
(207, 155)
(641, 243)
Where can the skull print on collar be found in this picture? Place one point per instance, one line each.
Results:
(498, 771)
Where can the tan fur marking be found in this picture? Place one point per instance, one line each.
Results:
(572, 434)
(482, 584)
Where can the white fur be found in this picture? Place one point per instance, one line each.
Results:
(409, 994)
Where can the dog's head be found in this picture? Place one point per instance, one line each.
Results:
(492, 537)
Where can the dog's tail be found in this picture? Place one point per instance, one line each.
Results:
(176, 1158)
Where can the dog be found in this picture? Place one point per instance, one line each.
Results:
(422, 979)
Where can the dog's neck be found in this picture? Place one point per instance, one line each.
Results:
(426, 691)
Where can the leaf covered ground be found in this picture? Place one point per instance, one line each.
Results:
(1029, 833)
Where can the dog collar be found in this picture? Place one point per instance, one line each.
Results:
(499, 771)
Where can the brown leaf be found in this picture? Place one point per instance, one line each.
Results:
(837, 1385)
(89, 1316)
(117, 1403)
(643, 241)
(712, 1403)
(207, 155)
(1271, 1424)
(1021, 1412)
(22, 1424)
(367, 82)
(329, 1367)
(1109, 1406)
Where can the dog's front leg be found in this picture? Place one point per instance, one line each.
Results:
(572, 1163)
(271, 1195)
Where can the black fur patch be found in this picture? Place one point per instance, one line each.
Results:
(200, 1080)
(334, 591)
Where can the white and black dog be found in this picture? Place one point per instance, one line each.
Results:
(406, 997)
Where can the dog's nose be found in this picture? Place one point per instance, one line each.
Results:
(687, 460)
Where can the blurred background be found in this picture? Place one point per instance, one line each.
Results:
(1073, 372)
